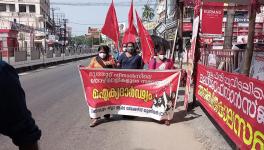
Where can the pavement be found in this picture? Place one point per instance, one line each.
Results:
(55, 97)
(29, 64)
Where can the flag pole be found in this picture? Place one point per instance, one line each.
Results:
(174, 42)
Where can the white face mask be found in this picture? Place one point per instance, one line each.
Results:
(102, 55)
(124, 49)
(161, 57)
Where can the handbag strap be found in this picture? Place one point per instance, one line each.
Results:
(100, 61)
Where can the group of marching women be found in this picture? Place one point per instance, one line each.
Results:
(130, 58)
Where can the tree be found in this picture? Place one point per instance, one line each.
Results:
(82, 40)
(229, 28)
(148, 13)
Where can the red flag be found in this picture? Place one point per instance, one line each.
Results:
(111, 28)
(147, 45)
(131, 32)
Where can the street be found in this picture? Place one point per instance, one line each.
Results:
(55, 97)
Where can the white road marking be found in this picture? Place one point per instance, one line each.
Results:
(38, 70)
(51, 67)
(22, 74)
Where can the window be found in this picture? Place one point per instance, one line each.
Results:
(12, 8)
(32, 8)
(22, 8)
(2, 7)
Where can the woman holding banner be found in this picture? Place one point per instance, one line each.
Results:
(102, 60)
(160, 62)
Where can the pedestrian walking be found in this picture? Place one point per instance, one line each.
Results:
(102, 60)
(16, 120)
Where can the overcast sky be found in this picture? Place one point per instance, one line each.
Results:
(93, 16)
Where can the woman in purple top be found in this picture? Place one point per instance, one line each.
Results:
(130, 59)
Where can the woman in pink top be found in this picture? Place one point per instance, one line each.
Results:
(160, 62)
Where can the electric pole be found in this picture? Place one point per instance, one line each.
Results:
(165, 20)
(65, 34)
(180, 30)
(53, 20)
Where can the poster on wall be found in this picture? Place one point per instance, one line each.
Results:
(257, 66)
(212, 17)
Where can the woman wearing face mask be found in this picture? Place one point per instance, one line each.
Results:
(160, 62)
(103, 60)
(124, 48)
(130, 59)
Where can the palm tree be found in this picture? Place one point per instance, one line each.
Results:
(148, 13)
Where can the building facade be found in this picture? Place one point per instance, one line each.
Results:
(30, 18)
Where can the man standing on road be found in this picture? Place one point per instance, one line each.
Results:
(16, 120)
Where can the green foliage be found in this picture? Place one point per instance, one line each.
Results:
(148, 13)
(82, 40)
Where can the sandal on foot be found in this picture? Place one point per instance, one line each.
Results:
(94, 122)
(107, 116)
(167, 122)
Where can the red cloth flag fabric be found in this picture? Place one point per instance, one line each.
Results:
(254, 5)
(147, 45)
(111, 28)
(131, 32)
(197, 7)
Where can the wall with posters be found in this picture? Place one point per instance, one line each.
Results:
(236, 103)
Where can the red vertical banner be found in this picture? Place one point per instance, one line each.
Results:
(190, 61)
(212, 17)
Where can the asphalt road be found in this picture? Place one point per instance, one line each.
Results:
(55, 97)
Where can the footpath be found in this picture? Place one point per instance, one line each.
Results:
(23, 66)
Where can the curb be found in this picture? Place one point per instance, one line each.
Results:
(43, 65)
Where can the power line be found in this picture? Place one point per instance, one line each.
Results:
(91, 24)
(124, 4)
